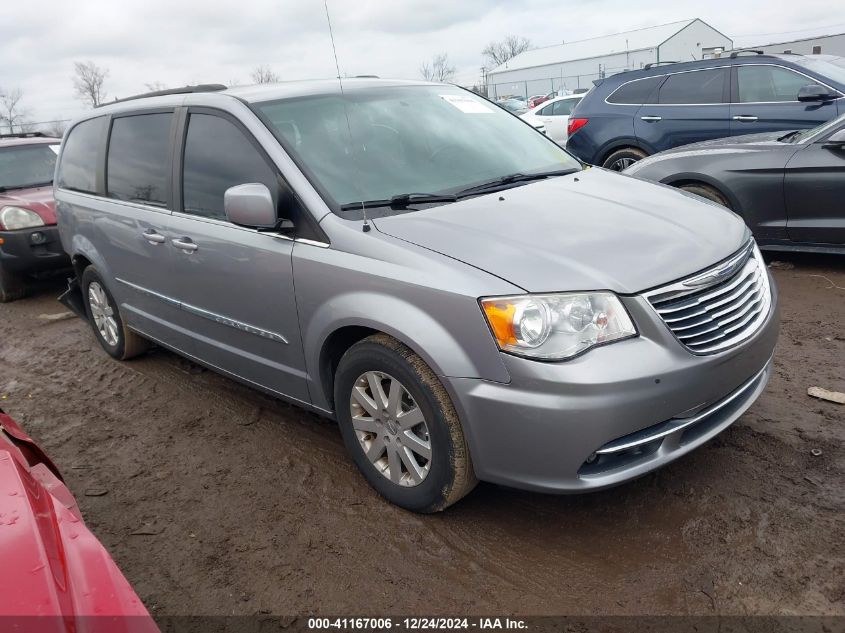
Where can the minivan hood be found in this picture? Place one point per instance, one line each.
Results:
(593, 230)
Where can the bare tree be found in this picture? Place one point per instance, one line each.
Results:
(11, 112)
(439, 69)
(88, 82)
(55, 128)
(497, 53)
(264, 75)
(155, 86)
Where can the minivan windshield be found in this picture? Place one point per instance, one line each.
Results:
(24, 166)
(426, 142)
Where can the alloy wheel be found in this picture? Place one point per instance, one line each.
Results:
(102, 313)
(621, 164)
(391, 428)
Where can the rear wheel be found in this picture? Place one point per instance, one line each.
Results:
(708, 192)
(623, 158)
(12, 286)
(103, 314)
(400, 426)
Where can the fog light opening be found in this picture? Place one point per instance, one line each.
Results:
(38, 238)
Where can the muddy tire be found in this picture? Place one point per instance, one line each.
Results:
(12, 286)
(622, 158)
(104, 316)
(710, 193)
(400, 427)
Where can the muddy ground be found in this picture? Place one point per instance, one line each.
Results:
(219, 500)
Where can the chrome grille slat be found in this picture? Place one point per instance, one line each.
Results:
(703, 298)
(719, 315)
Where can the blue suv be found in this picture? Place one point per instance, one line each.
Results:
(631, 115)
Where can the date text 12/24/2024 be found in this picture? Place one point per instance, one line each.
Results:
(415, 624)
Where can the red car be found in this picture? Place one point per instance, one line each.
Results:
(29, 238)
(53, 567)
(536, 100)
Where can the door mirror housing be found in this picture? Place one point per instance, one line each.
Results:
(835, 140)
(250, 205)
(815, 92)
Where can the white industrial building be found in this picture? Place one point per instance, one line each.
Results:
(820, 45)
(574, 65)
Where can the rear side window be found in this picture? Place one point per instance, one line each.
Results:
(218, 156)
(78, 168)
(696, 87)
(137, 164)
(563, 108)
(768, 84)
(636, 92)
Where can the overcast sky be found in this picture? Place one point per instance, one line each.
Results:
(176, 42)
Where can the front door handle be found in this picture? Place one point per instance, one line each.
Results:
(652, 119)
(745, 118)
(154, 237)
(185, 244)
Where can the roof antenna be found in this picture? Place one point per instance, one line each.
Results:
(366, 226)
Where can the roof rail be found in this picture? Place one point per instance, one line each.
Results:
(653, 64)
(736, 54)
(24, 135)
(170, 91)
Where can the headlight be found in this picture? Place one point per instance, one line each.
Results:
(13, 218)
(556, 326)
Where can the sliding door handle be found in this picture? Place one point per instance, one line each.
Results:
(154, 237)
(184, 244)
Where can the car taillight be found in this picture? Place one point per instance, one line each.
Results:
(575, 125)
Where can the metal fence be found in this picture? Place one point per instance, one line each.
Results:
(529, 87)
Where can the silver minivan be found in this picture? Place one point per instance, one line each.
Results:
(464, 297)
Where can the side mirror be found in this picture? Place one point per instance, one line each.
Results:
(814, 92)
(835, 140)
(250, 205)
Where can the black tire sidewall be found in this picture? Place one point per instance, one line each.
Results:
(427, 496)
(708, 193)
(623, 153)
(90, 275)
(12, 286)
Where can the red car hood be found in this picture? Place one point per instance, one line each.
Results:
(53, 566)
(38, 199)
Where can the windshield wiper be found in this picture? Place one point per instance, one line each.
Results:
(788, 135)
(513, 179)
(400, 201)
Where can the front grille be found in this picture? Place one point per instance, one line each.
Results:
(720, 307)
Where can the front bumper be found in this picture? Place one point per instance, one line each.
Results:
(613, 414)
(35, 250)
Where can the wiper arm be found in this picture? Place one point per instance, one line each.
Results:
(512, 179)
(400, 201)
(788, 135)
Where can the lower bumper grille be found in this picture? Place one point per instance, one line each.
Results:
(720, 307)
(676, 432)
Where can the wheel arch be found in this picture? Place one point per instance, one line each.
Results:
(622, 143)
(326, 338)
(679, 180)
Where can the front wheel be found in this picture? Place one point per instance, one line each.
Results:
(119, 341)
(400, 426)
(708, 193)
(623, 158)
(12, 286)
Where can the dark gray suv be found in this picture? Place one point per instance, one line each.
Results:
(458, 292)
